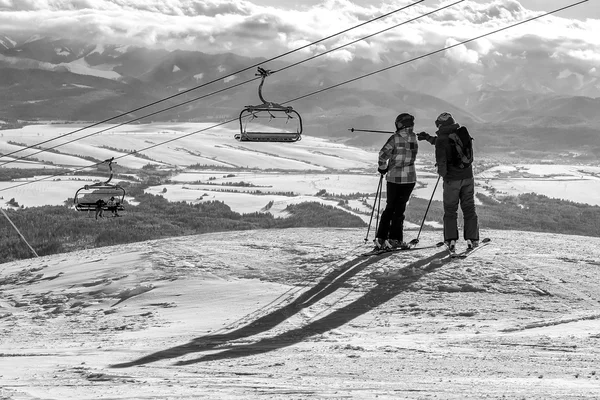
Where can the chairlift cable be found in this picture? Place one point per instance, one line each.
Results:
(371, 35)
(380, 70)
(435, 52)
(19, 232)
(70, 171)
(217, 91)
(269, 107)
(371, 73)
(328, 88)
(123, 114)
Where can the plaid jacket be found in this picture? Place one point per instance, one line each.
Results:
(399, 154)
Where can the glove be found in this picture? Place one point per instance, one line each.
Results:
(382, 171)
(426, 136)
(423, 136)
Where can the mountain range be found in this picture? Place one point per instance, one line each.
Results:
(44, 78)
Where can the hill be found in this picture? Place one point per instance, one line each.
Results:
(303, 317)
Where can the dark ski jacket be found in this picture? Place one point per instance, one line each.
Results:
(443, 156)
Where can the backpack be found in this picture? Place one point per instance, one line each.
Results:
(462, 148)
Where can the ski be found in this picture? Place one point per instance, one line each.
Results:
(468, 252)
(412, 247)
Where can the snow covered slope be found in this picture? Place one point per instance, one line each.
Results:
(298, 314)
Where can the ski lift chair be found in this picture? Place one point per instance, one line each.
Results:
(270, 111)
(85, 198)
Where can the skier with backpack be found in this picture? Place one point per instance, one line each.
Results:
(454, 158)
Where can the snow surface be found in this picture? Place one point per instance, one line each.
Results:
(61, 51)
(81, 67)
(33, 38)
(82, 86)
(242, 315)
(578, 183)
(201, 146)
(98, 49)
(3, 43)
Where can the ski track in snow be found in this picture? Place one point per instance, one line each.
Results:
(241, 315)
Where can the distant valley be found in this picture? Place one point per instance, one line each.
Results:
(185, 183)
(537, 143)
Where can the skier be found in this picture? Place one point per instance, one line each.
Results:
(397, 162)
(100, 208)
(112, 206)
(458, 187)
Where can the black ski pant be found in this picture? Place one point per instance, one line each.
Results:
(391, 224)
(460, 192)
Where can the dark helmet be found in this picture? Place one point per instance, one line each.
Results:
(404, 120)
(444, 118)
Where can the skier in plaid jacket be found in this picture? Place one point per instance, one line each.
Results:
(397, 162)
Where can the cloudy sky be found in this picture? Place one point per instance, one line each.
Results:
(582, 12)
(271, 27)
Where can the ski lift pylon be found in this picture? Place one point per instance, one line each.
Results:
(271, 111)
(85, 198)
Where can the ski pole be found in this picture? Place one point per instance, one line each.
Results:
(369, 130)
(415, 241)
(378, 207)
(377, 194)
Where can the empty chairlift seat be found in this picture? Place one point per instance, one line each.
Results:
(269, 122)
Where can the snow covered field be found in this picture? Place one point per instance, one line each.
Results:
(304, 167)
(577, 183)
(184, 144)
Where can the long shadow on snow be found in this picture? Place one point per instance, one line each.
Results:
(329, 284)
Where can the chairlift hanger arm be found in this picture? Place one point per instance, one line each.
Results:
(263, 73)
(266, 105)
(110, 162)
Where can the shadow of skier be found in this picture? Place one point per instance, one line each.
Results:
(330, 283)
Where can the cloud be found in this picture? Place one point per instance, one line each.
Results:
(166, 7)
(245, 28)
(483, 46)
(460, 52)
(343, 55)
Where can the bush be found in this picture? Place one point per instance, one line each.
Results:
(312, 214)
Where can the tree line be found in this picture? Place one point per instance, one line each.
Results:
(59, 229)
